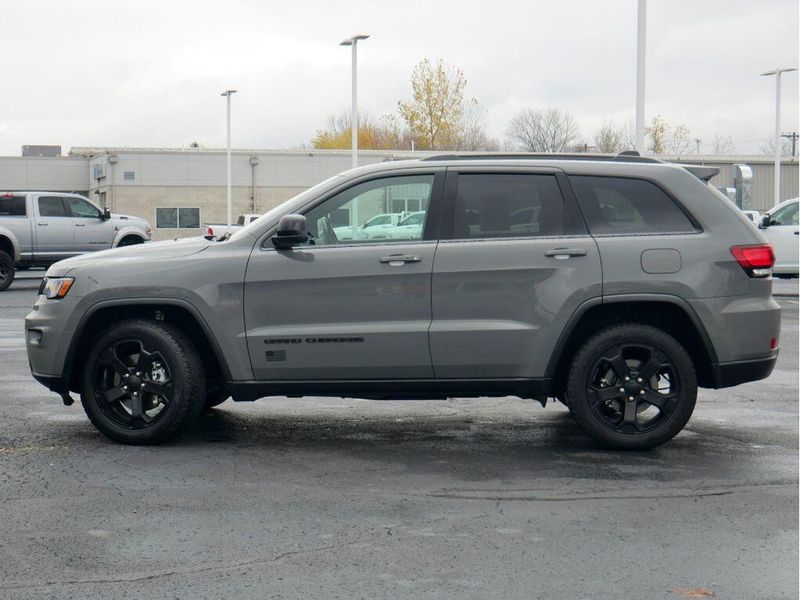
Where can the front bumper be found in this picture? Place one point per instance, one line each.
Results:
(734, 373)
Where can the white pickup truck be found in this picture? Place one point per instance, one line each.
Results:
(41, 228)
(217, 230)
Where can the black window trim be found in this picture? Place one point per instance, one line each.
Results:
(574, 223)
(698, 228)
(432, 216)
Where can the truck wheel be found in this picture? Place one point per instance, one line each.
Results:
(632, 386)
(6, 270)
(143, 382)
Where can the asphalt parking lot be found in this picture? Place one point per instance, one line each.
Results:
(356, 499)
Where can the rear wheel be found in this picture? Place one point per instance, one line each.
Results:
(6, 271)
(143, 382)
(632, 386)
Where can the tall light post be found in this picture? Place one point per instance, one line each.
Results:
(228, 94)
(353, 43)
(641, 33)
(776, 198)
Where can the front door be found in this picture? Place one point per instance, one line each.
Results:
(345, 309)
(517, 263)
(54, 229)
(92, 232)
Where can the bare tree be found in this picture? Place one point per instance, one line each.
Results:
(679, 141)
(668, 140)
(609, 138)
(547, 130)
(722, 144)
(471, 132)
(767, 147)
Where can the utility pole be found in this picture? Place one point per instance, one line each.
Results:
(697, 141)
(228, 94)
(776, 199)
(641, 31)
(791, 136)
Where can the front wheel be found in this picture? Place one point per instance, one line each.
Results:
(6, 270)
(143, 382)
(632, 386)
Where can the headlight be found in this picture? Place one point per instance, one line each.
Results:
(56, 287)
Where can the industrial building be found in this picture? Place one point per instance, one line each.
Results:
(178, 189)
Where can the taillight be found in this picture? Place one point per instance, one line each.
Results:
(210, 232)
(756, 260)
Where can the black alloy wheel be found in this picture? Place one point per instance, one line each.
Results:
(143, 381)
(632, 386)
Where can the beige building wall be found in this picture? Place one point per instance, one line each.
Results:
(142, 201)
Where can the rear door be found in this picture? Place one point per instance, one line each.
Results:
(345, 309)
(54, 228)
(92, 232)
(513, 264)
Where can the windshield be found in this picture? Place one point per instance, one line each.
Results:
(292, 204)
(414, 219)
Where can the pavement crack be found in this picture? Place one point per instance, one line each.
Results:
(189, 571)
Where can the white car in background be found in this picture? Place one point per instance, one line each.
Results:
(374, 229)
(780, 227)
(410, 228)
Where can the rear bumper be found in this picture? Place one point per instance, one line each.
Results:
(734, 373)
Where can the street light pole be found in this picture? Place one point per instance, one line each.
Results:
(776, 196)
(353, 43)
(641, 33)
(228, 94)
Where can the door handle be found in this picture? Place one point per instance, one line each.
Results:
(42, 224)
(399, 259)
(80, 224)
(562, 253)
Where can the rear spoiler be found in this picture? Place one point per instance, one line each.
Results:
(701, 172)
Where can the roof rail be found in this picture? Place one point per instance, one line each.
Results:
(621, 157)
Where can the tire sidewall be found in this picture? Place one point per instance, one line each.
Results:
(7, 262)
(175, 411)
(635, 334)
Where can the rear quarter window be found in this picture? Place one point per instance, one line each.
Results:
(12, 206)
(620, 205)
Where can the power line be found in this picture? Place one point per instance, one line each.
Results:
(791, 136)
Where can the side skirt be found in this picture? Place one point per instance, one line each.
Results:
(391, 389)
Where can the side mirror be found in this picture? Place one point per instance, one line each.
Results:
(106, 214)
(292, 231)
(764, 222)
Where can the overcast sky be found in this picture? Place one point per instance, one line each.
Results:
(149, 73)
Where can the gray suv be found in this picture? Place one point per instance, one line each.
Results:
(615, 284)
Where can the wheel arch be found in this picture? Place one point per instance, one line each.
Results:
(9, 244)
(669, 313)
(126, 232)
(177, 312)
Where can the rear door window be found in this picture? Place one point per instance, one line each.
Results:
(51, 206)
(12, 206)
(497, 205)
(618, 206)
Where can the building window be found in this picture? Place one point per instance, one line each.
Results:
(129, 175)
(178, 218)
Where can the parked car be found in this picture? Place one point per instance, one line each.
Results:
(374, 229)
(217, 230)
(38, 229)
(410, 228)
(632, 283)
(780, 227)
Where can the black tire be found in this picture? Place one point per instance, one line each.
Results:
(131, 240)
(6, 271)
(162, 375)
(216, 394)
(647, 409)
